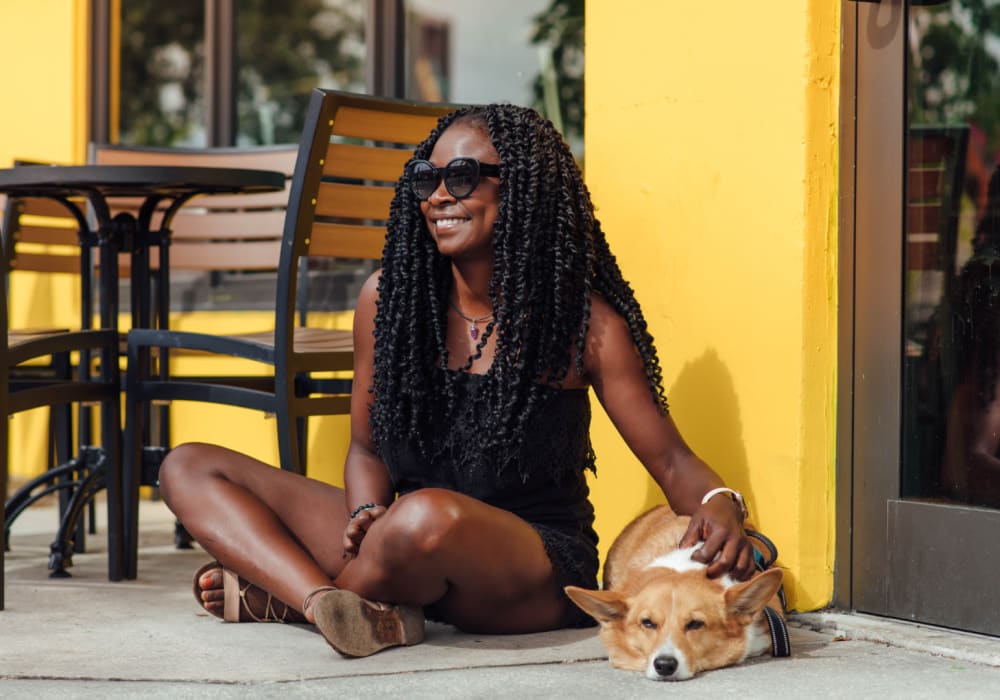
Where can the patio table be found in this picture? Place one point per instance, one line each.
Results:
(89, 193)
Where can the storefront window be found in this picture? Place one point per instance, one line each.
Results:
(162, 73)
(952, 283)
(284, 49)
(171, 67)
(527, 52)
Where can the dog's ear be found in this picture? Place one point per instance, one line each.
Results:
(603, 606)
(750, 597)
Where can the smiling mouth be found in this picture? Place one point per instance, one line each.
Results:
(447, 223)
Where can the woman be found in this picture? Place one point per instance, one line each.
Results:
(497, 307)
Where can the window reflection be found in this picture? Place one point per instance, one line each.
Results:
(162, 65)
(284, 49)
(528, 52)
(951, 446)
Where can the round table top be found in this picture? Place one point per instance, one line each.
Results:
(135, 180)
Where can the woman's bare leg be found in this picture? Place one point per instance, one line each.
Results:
(483, 568)
(278, 530)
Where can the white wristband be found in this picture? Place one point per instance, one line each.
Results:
(735, 495)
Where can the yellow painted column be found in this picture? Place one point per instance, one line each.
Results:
(711, 155)
(44, 44)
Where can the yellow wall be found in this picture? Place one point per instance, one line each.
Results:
(711, 154)
(43, 46)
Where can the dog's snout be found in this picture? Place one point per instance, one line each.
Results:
(665, 665)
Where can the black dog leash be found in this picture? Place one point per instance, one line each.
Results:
(780, 642)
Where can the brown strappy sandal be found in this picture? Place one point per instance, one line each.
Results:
(358, 627)
(245, 602)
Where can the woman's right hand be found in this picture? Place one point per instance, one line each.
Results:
(358, 526)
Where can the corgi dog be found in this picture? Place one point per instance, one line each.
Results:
(661, 614)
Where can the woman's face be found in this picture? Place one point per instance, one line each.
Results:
(463, 228)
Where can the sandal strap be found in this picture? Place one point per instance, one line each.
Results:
(270, 611)
(307, 601)
(238, 592)
(232, 595)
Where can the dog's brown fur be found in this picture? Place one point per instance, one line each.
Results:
(672, 624)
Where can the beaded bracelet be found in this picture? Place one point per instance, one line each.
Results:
(363, 506)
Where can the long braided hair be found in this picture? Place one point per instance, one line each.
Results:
(550, 255)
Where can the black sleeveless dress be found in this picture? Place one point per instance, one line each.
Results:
(542, 482)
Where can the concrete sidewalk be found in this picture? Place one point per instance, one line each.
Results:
(84, 637)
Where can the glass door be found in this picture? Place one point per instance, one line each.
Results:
(926, 310)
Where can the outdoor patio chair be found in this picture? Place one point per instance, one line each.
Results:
(40, 236)
(37, 370)
(234, 235)
(352, 152)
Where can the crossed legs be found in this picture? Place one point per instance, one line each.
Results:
(483, 569)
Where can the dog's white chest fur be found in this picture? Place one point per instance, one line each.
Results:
(680, 560)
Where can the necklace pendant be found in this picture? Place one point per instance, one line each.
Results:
(473, 329)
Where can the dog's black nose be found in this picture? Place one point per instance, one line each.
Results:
(665, 665)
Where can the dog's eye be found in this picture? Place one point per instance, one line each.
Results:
(694, 625)
(647, 623)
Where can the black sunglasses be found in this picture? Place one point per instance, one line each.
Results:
(460, 177)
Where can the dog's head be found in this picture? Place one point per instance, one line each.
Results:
(672, 621)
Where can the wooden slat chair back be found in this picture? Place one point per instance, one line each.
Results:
(41, 235)
(359, 179)
(358, 153)
(229, 233)
(352, 153)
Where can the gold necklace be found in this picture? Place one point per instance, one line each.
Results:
(473, 331)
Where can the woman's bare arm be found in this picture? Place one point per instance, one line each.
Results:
(616, 372)
(366, 479)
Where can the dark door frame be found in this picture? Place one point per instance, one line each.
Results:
(870, 293)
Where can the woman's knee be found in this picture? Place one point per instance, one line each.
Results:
(183, 466)
(424, 522)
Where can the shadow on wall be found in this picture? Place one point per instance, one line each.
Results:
(705, 407)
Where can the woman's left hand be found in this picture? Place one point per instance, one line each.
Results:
(357, 528)
(727, 550)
